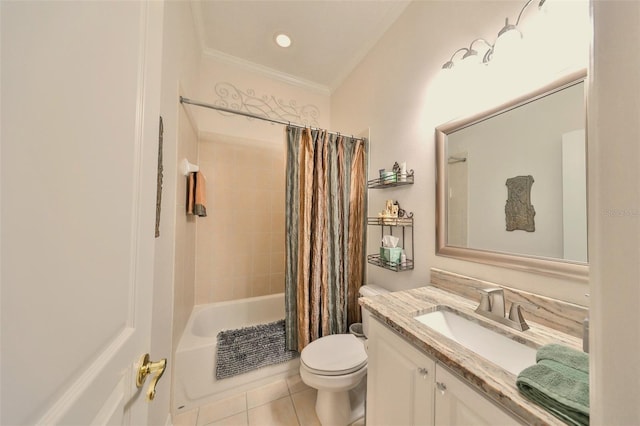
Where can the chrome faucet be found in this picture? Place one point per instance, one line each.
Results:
(492, 306)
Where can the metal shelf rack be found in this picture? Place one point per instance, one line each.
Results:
(391, 181)
(402, 223)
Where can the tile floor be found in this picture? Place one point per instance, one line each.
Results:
(283, 402)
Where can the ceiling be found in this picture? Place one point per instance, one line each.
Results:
(330, 37)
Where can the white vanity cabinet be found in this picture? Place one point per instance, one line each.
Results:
(406, 387)
(400, 380)
(456, 404)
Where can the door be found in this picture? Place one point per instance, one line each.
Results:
(80, 102)
(399, 380)
(456, 404)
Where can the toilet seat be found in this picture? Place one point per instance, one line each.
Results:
(334, 355)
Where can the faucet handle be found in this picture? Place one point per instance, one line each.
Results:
(515, 315)
(485, 302)
(491, 290)
(496, 300)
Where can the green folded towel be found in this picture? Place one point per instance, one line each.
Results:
(564, 355)
(559, 382)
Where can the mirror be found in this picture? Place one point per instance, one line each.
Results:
(511, 187)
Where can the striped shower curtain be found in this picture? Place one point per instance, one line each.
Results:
(325, 217)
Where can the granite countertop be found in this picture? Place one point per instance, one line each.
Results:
(398, 309)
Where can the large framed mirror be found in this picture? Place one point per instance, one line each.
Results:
(512, 183)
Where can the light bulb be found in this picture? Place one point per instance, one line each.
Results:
(283, 40)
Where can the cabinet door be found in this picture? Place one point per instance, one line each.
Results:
(458, 404)
(400, 381)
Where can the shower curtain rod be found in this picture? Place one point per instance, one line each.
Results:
(184, 100)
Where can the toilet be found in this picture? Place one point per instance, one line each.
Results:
(336, 366)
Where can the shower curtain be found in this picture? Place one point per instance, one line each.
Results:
(325, 218)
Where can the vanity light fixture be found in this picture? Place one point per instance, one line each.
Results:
(514, 27)
(470, 51)
(449, 64)
(282, 40)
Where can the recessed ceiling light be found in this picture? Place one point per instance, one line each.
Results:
(283, 40)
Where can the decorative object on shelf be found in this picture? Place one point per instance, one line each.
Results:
(389, 251)
(392, 215)
(390, 210)
(403, 172)
(229, 96)
(389, 179)
(519, 212)
(402, 212)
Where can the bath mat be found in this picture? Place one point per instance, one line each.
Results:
(250, 348)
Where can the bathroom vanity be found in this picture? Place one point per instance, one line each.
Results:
(418, 376)
(407, 387)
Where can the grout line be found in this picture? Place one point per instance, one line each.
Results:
(295, 410)
(288, 387)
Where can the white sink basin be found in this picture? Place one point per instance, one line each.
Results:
(500, 350)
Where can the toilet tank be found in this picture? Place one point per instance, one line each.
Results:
(369, 290)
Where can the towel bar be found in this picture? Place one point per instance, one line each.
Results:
(187, 167)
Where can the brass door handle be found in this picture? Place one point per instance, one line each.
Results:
(148, 367)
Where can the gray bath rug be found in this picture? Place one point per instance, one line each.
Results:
(249, 348)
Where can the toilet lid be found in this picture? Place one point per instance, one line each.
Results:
(334, 355)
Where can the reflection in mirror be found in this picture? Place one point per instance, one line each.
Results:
(512, 183)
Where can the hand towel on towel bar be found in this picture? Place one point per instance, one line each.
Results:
(197, 194)
(559, 382)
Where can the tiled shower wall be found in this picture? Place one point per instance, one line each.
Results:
(240, 244)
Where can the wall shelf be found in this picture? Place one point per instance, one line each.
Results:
(376, 260)
(404, 221)
(391, 181)
(391, 223)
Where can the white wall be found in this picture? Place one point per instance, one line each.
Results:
(400, 92)
(240, 250)
(175, 248)
(254, 87)
(614, 214)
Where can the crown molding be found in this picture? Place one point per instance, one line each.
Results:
(266, 71)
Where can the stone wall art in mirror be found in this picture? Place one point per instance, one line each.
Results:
(540, 134)
(519, 213)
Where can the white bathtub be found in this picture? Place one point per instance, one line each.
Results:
(195, 383)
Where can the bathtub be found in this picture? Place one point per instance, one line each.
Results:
(195, 383)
